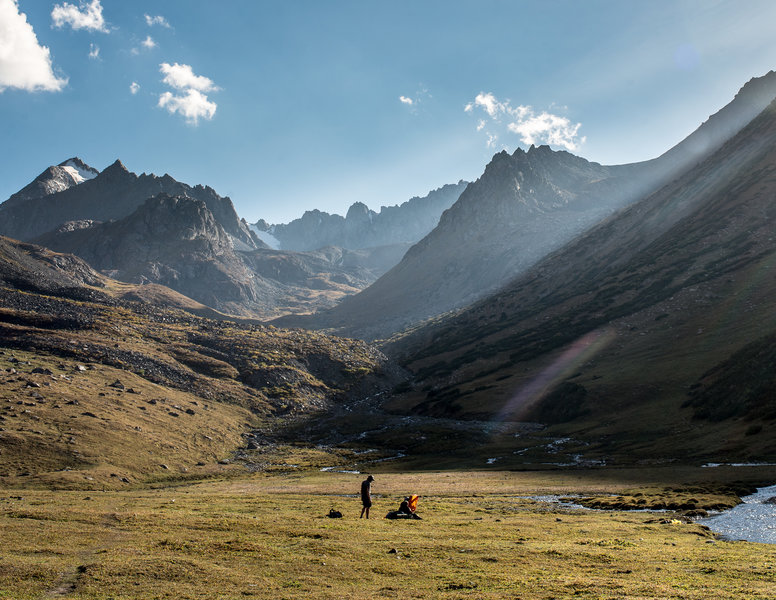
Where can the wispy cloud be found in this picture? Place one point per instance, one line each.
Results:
(532, 127)
(191, 103)
(157, 20)
(84, 16)
(148, 42)
(24, 63)
(406, 100)
(134, 88)
(94, 51)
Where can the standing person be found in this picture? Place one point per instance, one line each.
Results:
(366, 496)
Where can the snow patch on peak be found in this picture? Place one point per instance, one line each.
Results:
(266, 237)
(79, 171)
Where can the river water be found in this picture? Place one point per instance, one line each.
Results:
(754, 520)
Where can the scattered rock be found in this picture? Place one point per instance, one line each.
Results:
(89, 414)
(190, 412)
(117, 385)
(393, 551)
(164, 466)
(42, 371)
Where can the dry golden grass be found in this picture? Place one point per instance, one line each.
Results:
(267, 537)
(75, 429)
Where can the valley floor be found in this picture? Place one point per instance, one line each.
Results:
(266, 535)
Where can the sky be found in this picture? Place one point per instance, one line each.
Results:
(315, 104)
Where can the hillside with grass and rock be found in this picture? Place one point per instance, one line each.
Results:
(650, 334)
(96, 389)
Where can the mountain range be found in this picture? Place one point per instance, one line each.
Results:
(524, 206)
(626, 310)
(362, 227)
(150, 229)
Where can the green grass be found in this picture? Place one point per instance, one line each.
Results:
(267, 537)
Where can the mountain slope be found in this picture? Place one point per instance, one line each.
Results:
(98, 392)
(608, 336)
(522, 207)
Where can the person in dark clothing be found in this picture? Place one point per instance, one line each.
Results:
(366, 496)
(406, 510)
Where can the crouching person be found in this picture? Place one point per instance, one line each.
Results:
(406, 509)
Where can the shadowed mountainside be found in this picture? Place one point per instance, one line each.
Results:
(656, 324)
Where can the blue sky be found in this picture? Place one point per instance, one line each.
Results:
(294, 105)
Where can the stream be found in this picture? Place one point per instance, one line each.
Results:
(754, 520)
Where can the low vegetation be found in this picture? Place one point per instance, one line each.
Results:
(482, 535)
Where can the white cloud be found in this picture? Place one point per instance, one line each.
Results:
(134, 88)
(94, 51)
(405, 100)
(193, 105)
(148, 42)
(533, 128)
(157, 20)
(181, 77)
(85, 16)
(24, 63)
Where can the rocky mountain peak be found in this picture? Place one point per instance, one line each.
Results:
(359, 211)
(75, 162)
(116, 167)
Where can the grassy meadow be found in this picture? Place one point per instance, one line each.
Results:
(266, 535)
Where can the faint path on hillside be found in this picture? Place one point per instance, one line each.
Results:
(109, 538)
